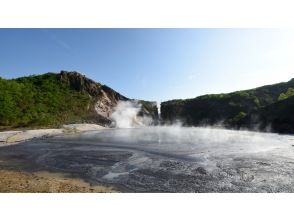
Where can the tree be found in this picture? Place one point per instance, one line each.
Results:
(289, 93)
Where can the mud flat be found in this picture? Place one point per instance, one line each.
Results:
(45, 182)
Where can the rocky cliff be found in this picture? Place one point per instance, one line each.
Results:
(52, 99)
(103, 98)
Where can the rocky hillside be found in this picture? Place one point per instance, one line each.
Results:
(52, 99)
(237, 109)
(277, 117)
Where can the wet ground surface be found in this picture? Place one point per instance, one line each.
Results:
(164, 159)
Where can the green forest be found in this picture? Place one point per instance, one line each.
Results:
(39, 101)
(249, 108)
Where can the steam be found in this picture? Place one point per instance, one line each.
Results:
(129, 114)
(231, 160)
(125, 115)
(158, 107)
(195, 141)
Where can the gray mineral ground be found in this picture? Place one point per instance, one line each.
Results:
(163, 159)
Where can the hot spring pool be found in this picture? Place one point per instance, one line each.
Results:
(165, 159)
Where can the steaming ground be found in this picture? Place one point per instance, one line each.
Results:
(125, 115)
(164, 159)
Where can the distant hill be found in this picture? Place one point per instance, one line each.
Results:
(53, 99)
(278, 117)
(265, 106)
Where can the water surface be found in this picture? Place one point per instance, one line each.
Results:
(165, 159)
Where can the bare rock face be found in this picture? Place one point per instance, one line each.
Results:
(104, 105)
(104, 99)
(80, 82)
(107, 100)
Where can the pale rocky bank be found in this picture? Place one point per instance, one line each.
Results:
(13, 137)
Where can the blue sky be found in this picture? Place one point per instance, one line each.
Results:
(154, 64)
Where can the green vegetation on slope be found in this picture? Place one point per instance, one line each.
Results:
(40, 101)
(288, 94)
(53, 99)
(228, 109)
(278, 117)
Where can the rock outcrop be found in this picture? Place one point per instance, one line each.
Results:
(104, 99)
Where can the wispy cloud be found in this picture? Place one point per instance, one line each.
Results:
(58, 41)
